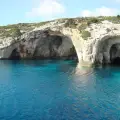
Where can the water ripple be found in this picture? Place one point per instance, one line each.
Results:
(58, 90)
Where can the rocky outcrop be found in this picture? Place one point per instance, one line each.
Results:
(40, 44)
(101, 46)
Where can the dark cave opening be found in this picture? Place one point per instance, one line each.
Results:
(55, 50)
(14, 55)
(115, 54)
(73, 55)
(52, 47)
(116, 61)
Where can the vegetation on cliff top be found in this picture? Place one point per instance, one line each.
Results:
(85, 34)
(16, 30)
(79, 23)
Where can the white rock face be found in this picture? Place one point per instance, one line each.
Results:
(98, 47)
(6, 52)
(45, 44)
(102, 47)
(103, 37)
(39, 44)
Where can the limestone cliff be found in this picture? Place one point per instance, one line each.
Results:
(46, 42)
(90, 43)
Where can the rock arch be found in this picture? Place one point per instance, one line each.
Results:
(115, 54)
(107, 49)
(42, 44)
(15, 55)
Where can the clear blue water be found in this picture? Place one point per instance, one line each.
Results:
(58, 90)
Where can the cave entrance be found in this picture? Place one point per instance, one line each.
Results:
(14, 55)
(55, 47)
(115, 54)
(116, 61)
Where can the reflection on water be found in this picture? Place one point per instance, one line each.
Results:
(81, 70)
(58, 90)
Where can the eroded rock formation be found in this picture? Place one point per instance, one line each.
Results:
(40, 44)
(102, 46)
(104, 42)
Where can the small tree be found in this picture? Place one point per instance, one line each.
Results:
(92, 20)
(70, 23)
(86, 34)
(118, 16)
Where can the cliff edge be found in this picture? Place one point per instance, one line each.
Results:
(89, 40)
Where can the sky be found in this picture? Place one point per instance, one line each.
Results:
(26, 11)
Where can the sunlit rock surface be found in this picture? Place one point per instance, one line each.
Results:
(53, 40)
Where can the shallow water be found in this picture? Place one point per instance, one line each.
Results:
(58, 90)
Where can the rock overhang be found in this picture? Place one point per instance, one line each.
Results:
(94, 49)
(103, 36)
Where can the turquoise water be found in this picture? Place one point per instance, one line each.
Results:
(58, 90)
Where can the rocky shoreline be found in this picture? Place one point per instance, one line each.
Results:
(98, 43)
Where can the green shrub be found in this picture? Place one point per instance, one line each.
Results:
(93, 20)
(118, 16)
(113, 19)
(82, 27)
(70, 23)
(41, 23)
(15, 32)
(86, 34)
